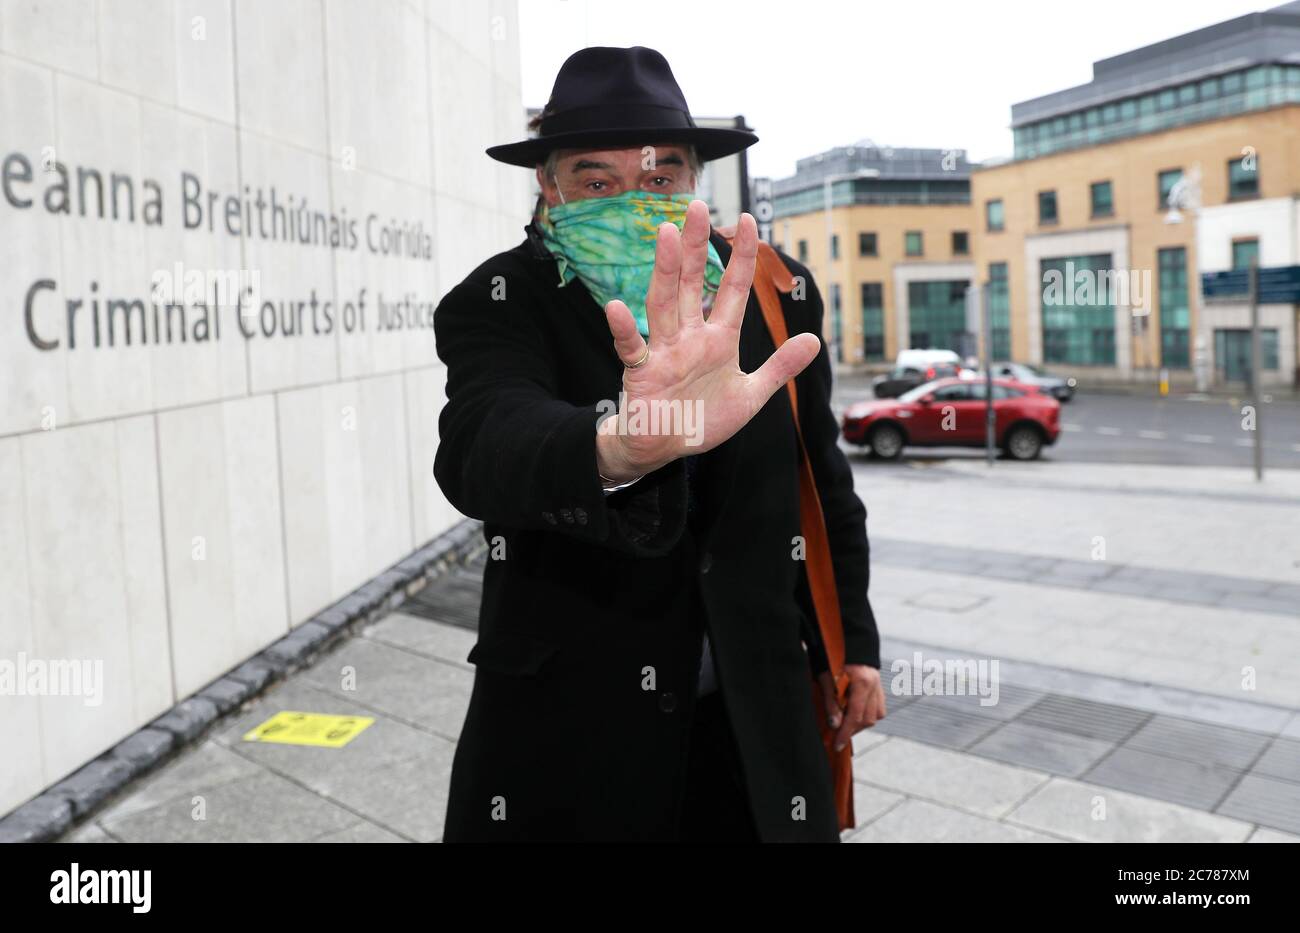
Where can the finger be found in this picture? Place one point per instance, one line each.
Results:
(733, 293)
(695, 257)
(830, 699)
(628, 342)
(788, 361)
(854, 716)
(879, 706)
(661, 300)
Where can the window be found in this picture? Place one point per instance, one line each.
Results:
(912, 243)
(960, 243)
(1175, 320)
(1232, 352)
(1103, 202)
(837, 322)
(803, 250)
(873, 321)
(1165, 182)
(866, 244)
(936, 313)
(1078, 310)
(1046, 207)
(993, 215)
(977, 393)
(1243, 178)
(1243, 251)
(999, 309)
(835, 246)
(955, 392)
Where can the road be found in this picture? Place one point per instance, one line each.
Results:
(1118, 428)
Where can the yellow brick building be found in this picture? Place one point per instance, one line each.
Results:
(895, 261)
(1089, 266)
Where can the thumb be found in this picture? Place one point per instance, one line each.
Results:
(788, 361)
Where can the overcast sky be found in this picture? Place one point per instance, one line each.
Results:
(812, 74)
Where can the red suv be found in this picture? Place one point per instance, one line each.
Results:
(950, 413)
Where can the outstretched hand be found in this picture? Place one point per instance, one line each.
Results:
(694, 359)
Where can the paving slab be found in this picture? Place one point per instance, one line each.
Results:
(969, 783)
(1090, 813)
(925, 821)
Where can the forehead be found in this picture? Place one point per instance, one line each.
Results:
(620, 159)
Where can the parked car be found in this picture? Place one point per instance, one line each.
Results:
(915, 367)
(950, 413)
(1055, 386)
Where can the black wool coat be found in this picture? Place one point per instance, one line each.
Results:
(592, 616)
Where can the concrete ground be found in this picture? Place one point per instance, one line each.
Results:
(1148, 691)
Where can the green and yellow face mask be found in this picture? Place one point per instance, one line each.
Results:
(609, 243)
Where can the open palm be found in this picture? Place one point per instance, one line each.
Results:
(694, 361)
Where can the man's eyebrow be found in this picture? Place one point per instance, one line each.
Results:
(589, 163)
(670, 159)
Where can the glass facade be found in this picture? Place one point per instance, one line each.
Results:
(873, 321)
(912, 243)
(873, 191)
(835, 246)
(936, 313)
(803, 251)
(1078, 310)
(866, 244)
(1102, 199)
(993, 217)
(999, 309)
(960, 243)
(1232, 352)
(1175, 318)
(1190, 102)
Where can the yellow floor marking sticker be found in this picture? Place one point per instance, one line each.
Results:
(291, 727)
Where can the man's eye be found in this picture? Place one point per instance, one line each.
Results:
(661, 181)
(593, 185)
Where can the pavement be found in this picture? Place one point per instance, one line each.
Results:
(1132, 633)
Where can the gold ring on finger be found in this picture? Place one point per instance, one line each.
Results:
(641, 362)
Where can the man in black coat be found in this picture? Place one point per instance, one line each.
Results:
(646, 633)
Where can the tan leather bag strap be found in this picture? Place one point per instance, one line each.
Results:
(770, 277)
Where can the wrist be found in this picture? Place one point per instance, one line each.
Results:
(612, 465)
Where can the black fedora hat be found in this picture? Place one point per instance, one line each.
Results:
(618, 97)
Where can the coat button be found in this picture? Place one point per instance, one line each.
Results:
(668, 701)
(549, 516)
(706, 562)
(580, 515)
(567, 516)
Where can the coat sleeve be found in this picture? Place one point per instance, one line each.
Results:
(846, 516)
(511, 452)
